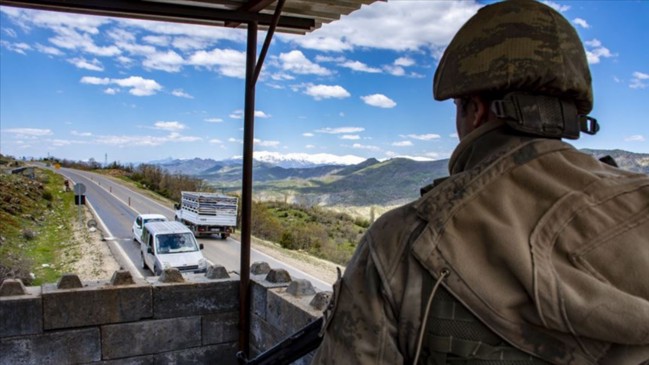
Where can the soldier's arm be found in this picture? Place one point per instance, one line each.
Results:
(360, 328)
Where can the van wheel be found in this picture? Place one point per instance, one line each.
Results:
(143, 263)
(157, 271)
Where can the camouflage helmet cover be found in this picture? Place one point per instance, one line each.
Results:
(516, 45)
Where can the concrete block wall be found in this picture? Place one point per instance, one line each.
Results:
(149, 322)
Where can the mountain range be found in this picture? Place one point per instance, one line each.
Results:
(301, 179)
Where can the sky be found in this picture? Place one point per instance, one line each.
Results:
(84, 87)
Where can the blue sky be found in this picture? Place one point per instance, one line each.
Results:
(81, 87)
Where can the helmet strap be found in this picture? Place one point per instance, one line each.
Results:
(543, 115)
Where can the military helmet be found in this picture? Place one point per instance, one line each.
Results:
(516, 45)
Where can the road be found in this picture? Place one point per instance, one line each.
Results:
(115, 205)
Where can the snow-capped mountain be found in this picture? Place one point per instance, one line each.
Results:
(302, 160)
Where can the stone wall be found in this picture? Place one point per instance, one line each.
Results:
(157, 321)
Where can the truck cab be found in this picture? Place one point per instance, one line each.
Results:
(171, 244)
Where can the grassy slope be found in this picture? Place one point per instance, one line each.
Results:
(37, 224)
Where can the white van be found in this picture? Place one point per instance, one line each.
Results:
(171, 244)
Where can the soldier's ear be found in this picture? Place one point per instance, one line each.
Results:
(481, 111)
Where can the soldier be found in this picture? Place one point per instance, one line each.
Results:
(531, 252)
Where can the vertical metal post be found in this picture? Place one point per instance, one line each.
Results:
(246, 190)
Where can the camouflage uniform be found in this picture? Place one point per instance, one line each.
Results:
(546, 245)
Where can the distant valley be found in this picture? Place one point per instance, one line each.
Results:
(368, 183)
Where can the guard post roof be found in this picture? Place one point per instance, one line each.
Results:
(297, 16)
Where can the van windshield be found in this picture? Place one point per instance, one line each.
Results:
(176, 242)
(154, 220)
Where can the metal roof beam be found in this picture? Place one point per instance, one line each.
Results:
(159, 11)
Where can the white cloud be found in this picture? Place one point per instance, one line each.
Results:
(214, 120)
(337, 59)
(341, 130)
(360, 66)
(639, 80)
(177, 137)
(181, 94)
(215, 141)
(29, 132)
(157, 40)
(320, 92)
(261, 114)
(402, 144)
(57, 20)
(16, 47)
(137, 85)
(52, 51)
(111, 91)
(324, 43)
(238, 114)
(307, 134)
(404, 61)
(350, 136)
(423, 137)
(595, 51)
(635, 138)
(556, 6)
(10, 32)
(169, 61)
(205, 33)
(259, 142)
(71, 39)
(309, 146)
(190, 43)
(169, 126)
(365, 147)
(227, 62)
(296, 62)
(395, 70)
(92, 80)
(379, 100)
(81, 134)
(436, 23)
(92, 65)
(581, 22)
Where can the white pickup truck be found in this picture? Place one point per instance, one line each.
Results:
(207, 213)
(171, 244)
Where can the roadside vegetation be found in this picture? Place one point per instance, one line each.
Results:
(320, 232)
(36, 244)
(146, 176)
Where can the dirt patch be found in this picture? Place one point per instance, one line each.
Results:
(95, 261)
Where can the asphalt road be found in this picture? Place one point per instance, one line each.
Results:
(116, 206)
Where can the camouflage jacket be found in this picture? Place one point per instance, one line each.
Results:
(546, 245)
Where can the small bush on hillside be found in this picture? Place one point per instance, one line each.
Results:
(47, 195)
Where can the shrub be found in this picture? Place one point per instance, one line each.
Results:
(47, 195)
